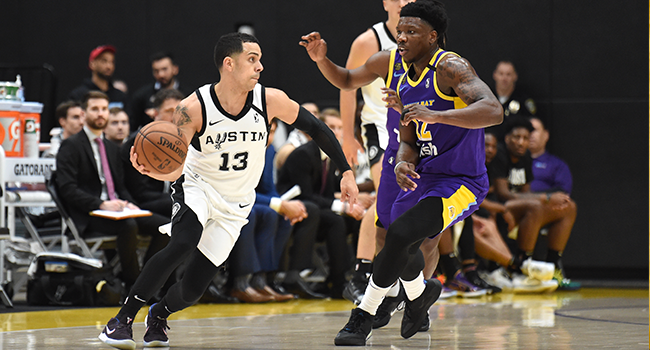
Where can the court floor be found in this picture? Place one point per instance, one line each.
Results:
(591, 318)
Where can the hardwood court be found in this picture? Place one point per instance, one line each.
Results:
(587, 319)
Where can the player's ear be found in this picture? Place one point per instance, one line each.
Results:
(433, 37)
(228, 63)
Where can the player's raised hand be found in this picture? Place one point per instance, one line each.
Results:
(315, 46)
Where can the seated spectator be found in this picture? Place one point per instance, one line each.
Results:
(69, 115)
(148, 192)
(164, 70)
(117, 129)
(512, 171)
(490, 245)
(550, 174)
(90, 177)
(263, 240)
(102, 65)
(309, 168)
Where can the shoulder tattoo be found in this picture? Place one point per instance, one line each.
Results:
(183, 117)
(462, 79)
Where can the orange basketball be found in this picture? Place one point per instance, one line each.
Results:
(159, 147)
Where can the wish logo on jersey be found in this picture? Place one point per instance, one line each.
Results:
(218, 139)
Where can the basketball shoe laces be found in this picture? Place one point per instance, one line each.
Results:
(157, 326)
(354, 325)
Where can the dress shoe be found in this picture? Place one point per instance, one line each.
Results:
(250, 295)
(216, 295)
(300, 288)
(276, 296)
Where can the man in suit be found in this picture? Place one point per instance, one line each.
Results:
(90, 177)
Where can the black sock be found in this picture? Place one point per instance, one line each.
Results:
(450, 265)
(555, 257)
(160, 309)
(241, 282)
(129, 309)
(466, 241)
(258, 281)
(362, 269)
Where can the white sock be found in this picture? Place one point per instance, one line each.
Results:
(373, 297)
(394, 290)
(414, 288)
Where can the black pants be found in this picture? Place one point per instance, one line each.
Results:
(127, 232)
(401, 255)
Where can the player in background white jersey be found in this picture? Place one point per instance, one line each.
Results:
(380, 37)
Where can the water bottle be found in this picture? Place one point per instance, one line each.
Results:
(20, 94)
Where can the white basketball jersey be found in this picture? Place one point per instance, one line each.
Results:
(374, 110)
(228, 153)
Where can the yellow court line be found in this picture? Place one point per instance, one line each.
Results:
(99, 316)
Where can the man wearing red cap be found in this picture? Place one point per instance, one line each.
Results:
(102, 64)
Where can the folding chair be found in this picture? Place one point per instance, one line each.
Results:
(103, 242)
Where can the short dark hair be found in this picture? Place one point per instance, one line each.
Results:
(160, 55)
(62, 109)
(515, 122)
(92, 94)
(165, 94)
(115, 110)
(431, 11)
(230, 44)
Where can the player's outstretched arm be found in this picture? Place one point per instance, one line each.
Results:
(455, 76)
(375, 67)
(280, 106)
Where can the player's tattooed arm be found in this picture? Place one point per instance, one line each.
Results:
(456, 76)
(459, 76)
(181, 117)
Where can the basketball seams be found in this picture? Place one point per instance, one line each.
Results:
(146, 133)
(145, 137)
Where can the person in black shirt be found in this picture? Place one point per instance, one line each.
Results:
(512, 171)
(102, 64)
(164, 70)
(515, 102)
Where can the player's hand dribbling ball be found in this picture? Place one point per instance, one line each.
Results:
(160, 147)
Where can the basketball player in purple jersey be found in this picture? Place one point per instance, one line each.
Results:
(440, 161)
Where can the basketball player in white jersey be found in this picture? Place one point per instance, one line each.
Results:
(380, 37)
(226, 125)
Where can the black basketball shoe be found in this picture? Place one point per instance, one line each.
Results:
(118, 335)
(357, 330)
(387, 309)
(417, 310)
(156, 333)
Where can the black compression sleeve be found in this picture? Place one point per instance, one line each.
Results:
(323, 136)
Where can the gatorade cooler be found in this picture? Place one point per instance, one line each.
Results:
(30, 117)
(10, 128)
